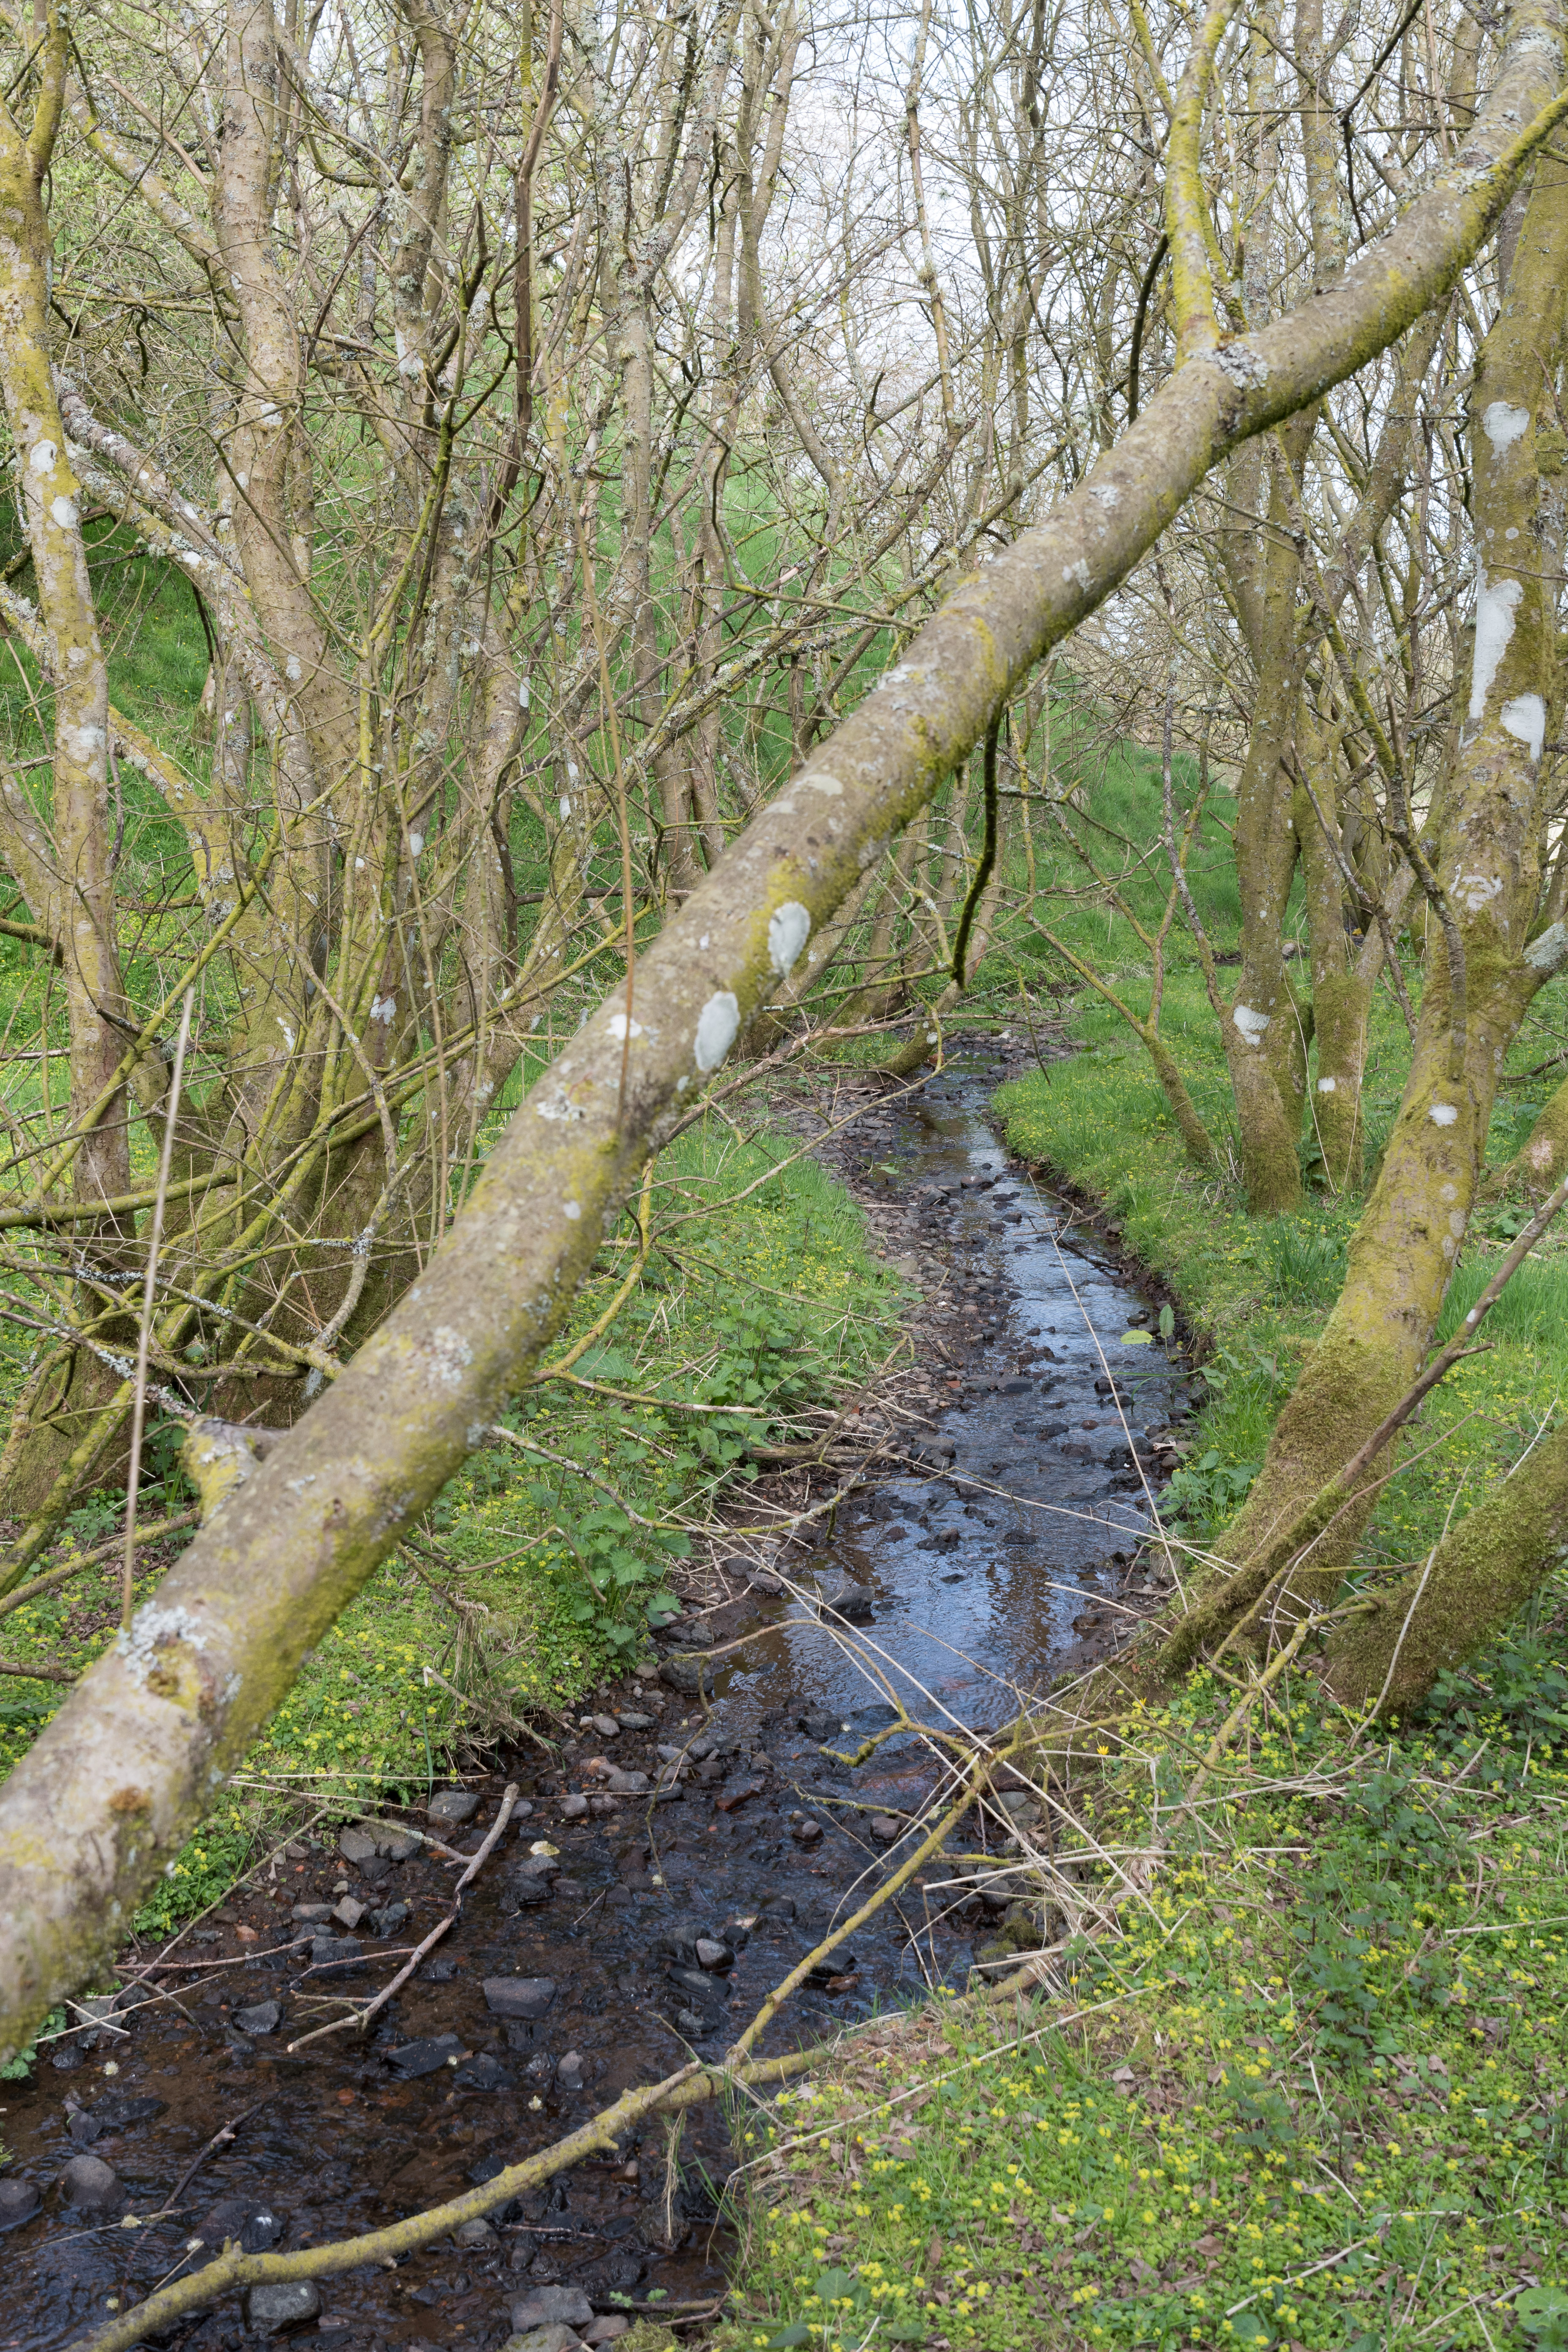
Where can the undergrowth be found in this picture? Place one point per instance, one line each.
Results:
(540, 1566)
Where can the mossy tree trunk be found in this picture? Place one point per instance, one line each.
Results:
(1488, 844)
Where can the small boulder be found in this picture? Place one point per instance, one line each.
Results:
(451, 1806)
(410, 2060)
(289, 2303)
(19, 2200)
(399, 1847)
(519, 1997)
(335, 1952)
(574, 1808)
(635, 1722)
(482, 2072)
(712, 1954)
(844, 1598)
(473, 2234)
(90, 2182)
(606, 1725)
(551, 2307)
(356, 1846)
(263, 2018)
(687, 1675)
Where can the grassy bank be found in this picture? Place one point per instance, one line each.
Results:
(539, 1568)
(1297, 2078)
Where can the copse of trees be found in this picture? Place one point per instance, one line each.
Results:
(564, 436)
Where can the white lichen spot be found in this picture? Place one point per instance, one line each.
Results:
(64, 513)
(1443, 1115)
(682, 1084)
(1106, 492)
(359, 864)
(789, 928)
(565, 808)
(522, 694)
(716, 1026)
(619, 1030)
(1077, 573)
(449, 1356)
(1525, 719)
(1503, 425)
(1328, 1086)
(571, 1211)
(1497, 600)
(1449, 1192)
(704, 943)
(1457, 1223)
(41, 460)
(1250, 1023)
(292, 669)
(383, 1008)
(154, 1628)
(416, 843)
(287, 1032)
(1478, 891)
(820, 781)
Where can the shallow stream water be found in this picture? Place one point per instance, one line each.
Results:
(997, 1554)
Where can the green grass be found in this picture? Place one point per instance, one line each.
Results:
(1303, 2090)
(1304, 2093)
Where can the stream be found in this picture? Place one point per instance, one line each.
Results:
(999, 1552)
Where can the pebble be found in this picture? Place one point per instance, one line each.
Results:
(554, 2338)
(268, 2310)
(606, 2328)
(310, 1911)
(87, 2180)
(19, 2200)
(569, 2072)
(482, 2074)
(712, 1954)
(608, 1726)
(523, 1997)
(626, 1784)
(348, 1913)
(453, 1805)
(552, 2306)
(630, 1722)
(886, 1829)
(356, 1846)
(262, 2018)
(473, 2233)
(574, 1808)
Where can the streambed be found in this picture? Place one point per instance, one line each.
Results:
(997, 1551)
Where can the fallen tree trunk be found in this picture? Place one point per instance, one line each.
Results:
(95, 1812)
